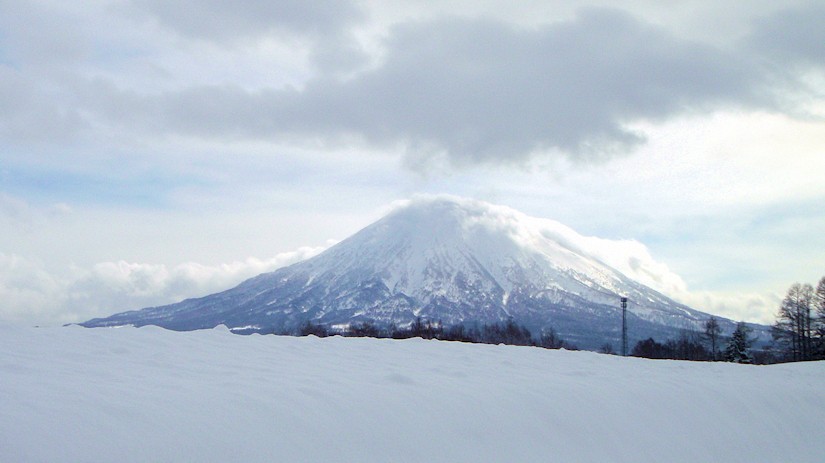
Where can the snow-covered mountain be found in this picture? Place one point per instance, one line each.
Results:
(442, 259)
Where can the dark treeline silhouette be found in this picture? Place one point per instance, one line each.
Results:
(696, 346)
(688, 347)
(799, 331)
(309, 328)
(508, 332)
(710, 345)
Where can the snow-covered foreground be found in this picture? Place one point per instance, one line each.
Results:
(75, 394)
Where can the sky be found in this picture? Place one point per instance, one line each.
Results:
(152, 151)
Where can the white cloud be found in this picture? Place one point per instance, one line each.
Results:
(737, 306)
(27, 292)
(14, 209)
(30, 294)
(630, 257)
(634, 259)
(18, 216)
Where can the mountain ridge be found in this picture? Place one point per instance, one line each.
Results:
(444, 259)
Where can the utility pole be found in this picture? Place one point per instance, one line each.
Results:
(624, 327)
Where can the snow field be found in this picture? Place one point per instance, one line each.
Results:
(148, 394)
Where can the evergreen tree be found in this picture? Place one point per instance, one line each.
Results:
(738, 349)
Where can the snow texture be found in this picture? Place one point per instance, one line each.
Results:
(148, 394)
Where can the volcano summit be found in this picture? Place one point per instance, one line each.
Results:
(442, 259)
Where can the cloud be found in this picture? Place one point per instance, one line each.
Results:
(479, 91)
(741, 306)
(629, 257)
(44, 34)
(219, 21)
(635, 260)
(30, 114)
(14, 209)
(459, 90)
(792, 35)
(18, 217)
(27, 291)
(323, 27)
(30, 294)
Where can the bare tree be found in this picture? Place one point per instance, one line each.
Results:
(794, 324)
(819, 323)
(688, 346)
(551, 340)
(712, 332)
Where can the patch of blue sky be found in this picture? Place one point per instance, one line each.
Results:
(150, 190)
(5, 58)
(790, 220)
(107, 53)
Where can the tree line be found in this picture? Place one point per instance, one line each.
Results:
(703, 346)
(508, 332)
(799, 331)
(691, 345)
(797, 335)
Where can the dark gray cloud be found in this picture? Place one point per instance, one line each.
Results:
(482, 91)
(220, 20)
(475, 90)
(795, 35)
(323, 26)
(32, 114)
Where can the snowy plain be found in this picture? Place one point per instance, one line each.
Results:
(151, 395)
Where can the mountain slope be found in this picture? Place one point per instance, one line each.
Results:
(440, 258)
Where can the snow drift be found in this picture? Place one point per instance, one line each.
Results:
(148, 394)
